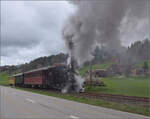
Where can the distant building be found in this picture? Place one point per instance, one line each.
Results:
(137, 71)
(100, 73)
(116, 69)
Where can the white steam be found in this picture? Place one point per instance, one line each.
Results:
(66, 88)
(79, 83)
(99, 22)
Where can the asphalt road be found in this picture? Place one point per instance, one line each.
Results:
(18, 104)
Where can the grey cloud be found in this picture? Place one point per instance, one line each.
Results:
(18, 30)
(8, 51)
(31, 29)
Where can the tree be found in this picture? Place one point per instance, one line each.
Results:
(145, 67)
(138, 51)
(128, 70)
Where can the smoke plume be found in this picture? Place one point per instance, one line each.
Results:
(99, 22)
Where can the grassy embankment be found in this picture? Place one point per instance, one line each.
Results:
(97, 102)
(4, 79)
(132, 86)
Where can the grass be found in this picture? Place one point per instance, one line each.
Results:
(95, 66)
(132, 86)
(96, 102)
(4, 79)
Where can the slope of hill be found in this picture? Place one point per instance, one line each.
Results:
(4, 79)
(95, 66)
(36, 63)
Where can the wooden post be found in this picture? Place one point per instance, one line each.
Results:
(90, 73)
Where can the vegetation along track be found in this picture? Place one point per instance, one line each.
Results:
(117, 98)
(143, 101)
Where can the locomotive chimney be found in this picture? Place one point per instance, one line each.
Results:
(72, 63)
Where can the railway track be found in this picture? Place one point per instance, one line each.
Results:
(119, 97)
(144, 101)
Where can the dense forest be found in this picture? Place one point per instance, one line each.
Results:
(137, 52)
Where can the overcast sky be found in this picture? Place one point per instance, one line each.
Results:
(33, 29)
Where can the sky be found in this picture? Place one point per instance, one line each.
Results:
(33, 29)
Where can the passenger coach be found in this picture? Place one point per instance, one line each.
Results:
(55, 77)
(19, 79)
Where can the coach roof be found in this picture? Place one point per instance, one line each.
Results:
(19, 74)
(39, 69)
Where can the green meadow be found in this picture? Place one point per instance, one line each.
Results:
(132, 86)
(4, 79)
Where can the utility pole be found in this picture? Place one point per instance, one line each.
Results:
(91, 73)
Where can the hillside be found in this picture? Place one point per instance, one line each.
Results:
(4, 79)
(36, 63)
(95, 66)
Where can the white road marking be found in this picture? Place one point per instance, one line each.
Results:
(32, 101)
(14, 93)
(74, 117)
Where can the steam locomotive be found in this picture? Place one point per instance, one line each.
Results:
(55, 77)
